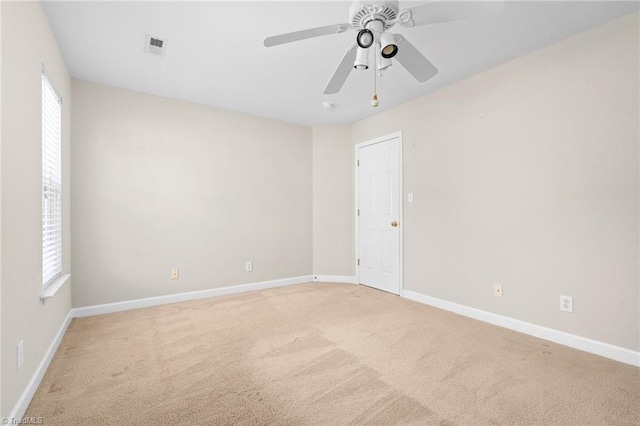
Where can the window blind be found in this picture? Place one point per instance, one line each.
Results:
(51, 183)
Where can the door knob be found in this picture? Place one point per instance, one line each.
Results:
(394, 223)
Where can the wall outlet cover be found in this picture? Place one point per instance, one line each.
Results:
(566, 303)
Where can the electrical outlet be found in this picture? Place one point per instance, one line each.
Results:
(20, 354)
(248, 267)
(175, 273)
(566, 303)
(497, 290)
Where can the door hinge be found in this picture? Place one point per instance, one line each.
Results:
(358, 163)
(358, 212)
(358, 262)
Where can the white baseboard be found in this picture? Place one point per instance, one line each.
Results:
(606, 350)
(181, 297)
(347, 279)
(25, 399)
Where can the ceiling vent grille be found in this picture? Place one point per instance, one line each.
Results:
(155, 45)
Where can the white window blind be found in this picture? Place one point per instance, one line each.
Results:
(51, 183)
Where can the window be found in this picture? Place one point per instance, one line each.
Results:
(51, 183)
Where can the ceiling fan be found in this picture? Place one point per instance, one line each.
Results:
(373, 19)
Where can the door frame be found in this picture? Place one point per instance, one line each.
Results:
(400, 202)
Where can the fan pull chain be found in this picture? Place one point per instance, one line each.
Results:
(374, 101)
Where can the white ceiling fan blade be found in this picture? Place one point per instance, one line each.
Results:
(414, 61)
(445, 11)
(342, 72)
(305, 34)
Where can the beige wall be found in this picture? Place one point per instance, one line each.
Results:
(333, 189)
(27, 43)
(527, 175)
(159, 183)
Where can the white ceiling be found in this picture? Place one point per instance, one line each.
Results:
(215, 54)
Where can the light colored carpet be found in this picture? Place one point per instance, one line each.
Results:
(323, 354)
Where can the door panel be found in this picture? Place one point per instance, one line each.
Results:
(383, 196)
(368, 250)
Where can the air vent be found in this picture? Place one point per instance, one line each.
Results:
(155, 45)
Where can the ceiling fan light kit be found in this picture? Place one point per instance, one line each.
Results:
(372, 19)
(389, 48)
(362, 59)
(365, 38)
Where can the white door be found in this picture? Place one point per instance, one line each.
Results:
(378, 214)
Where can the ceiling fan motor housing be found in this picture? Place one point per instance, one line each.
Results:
(364, 11)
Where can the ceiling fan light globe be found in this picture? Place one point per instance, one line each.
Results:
(389, 47)
(365, 38)
(389, 51)
(362, 59)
